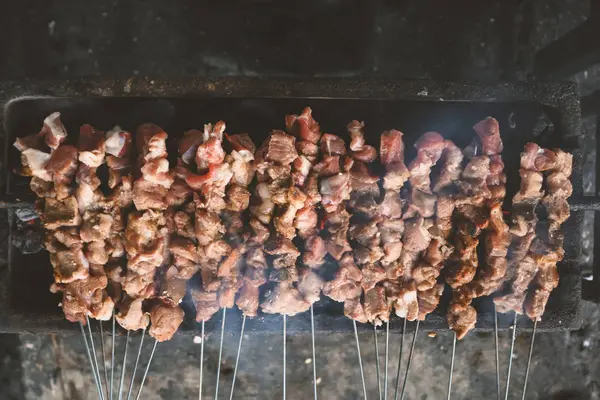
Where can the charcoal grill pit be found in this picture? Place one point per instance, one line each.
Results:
(545, 113)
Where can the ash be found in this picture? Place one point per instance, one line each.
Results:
(409, 39)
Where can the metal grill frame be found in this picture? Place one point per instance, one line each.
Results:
(561, 99)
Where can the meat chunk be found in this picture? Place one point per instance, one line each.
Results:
(314, 252)
(461, 319)
(281, 148)
(284, 299)
(310, 285)
(346, 284)
(488, 131)
(148, 195)
(208, 227)
(91, 146)
(376, 306)
(53, 131)
(248, 299)
(354, 310)
(34, 164)
(206, 304)
(118, 142)
(303, 126)
(131, 315)
(165, 321)
(238, 198)
(334, 190)
(332, 145)
(58, 213)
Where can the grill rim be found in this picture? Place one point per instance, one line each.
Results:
(563, 98)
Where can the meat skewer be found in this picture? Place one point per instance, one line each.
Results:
(497, 239)
(219, 200)
(364, 232)
(391, 226)
(336, 184)
(549, 251)
(418, 236)
(53, 167)
(307, 133)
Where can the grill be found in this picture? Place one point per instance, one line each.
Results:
(545, 113)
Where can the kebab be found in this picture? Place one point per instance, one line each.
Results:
(276, 186)
(558, 190)
(472, 218)
(364, 230)
(496, 236)
(418, 221)
(433, 260)
(146, 241)
(522, 266)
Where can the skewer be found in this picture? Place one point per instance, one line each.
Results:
(284, 354)
(377, 362)
(123, 366)
(387, 343)
(220, 352)
(112, 357)
(137, 360)
(410, 356)
(95, 358)
(146, 371)
(362, 372)
(312, 332)
(452, 365)
(87, 348)
(104, 358)
(201, 363)
(512, 350)
(400, 359)
(497, 353)
(237, 357)
(529, 360)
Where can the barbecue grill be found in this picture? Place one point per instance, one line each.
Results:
(546, 113)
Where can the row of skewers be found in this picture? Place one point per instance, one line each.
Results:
(127, 234)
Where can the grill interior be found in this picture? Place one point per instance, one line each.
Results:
(30, 302)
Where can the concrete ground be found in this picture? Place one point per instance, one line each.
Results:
(407, 39)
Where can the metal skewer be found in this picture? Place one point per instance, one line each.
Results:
(112, 357)
(237, 357)
(220, 352)
(387, 343)
(529, 360)
(400, 359)
(201, 363)
(284, 354)
(410, 356)
(123, 366)
(87, 348)
(104, 358)
(314, 361)
(377, 362)
(95, 356)
(146, 371)
(512, 351)
(362, 372)
(452, 365)
(135, 366)
(497, 353)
